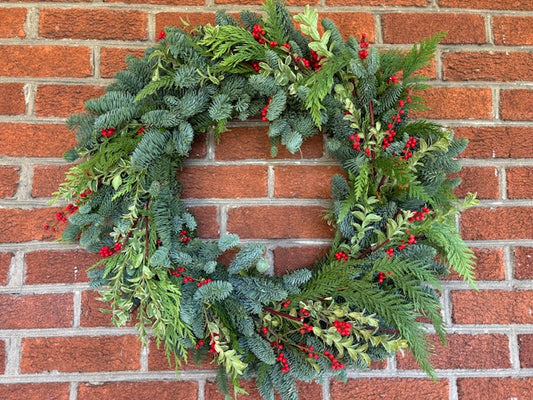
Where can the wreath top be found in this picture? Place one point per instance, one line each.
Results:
(394, 210)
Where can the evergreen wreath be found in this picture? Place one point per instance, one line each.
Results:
(394, 210)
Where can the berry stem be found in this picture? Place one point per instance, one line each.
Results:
(284, 315)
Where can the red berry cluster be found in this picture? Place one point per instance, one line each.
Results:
(199, 344)
(309, 351)
(306, 329)
(285, 303)
(419, 215)
(341, 256)
(108, 132)
(284, 363)
(212, 343)
(356, 141)
(363, 44)
(86, 193)
(393, 79)
(344, 328)
(410, 241)
(107, 251)
(303, 313)
(315, 60)
(264, 111)
(177, 272)
(256, 67)
(183, 236)
(141, 130)
(264, 329)
(381, 277)
(411, 143)
(61, 216)
(204, 282)
(161, 35)
(258, 32)
(188, 279)
(335, 364)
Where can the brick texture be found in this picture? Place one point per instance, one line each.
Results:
(58, 266)
(515, 104)
(306, 391)
(494, 388)
(525, 342)
(47, 178)
(492, 307)
(36, 311)
(488, 4)
(510, 31)
(175, 19)
(12, 99)
(34, 140)
(389, 389)
(63, 100)
(158, 361)
(497, 142)
(304, 181)
(206, 218)
(5, 261)
(13, 20)
(378, 2)
(9, 179)
(114, 59)
(291, 258)
(161, 390)
(80, 354)
(25, 225)
(2, 358)
(35, 391)
(519, 182)
(91, 310)
(353, 24)
(523, 262)
(498, 223)
(480, 180)
(490, 265)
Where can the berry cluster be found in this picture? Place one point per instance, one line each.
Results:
(212, 343)
(141, 130)
(188, 279)
(199, 344)
(264, 111)
(257, 33)
(335, 364)
(303, 313)
(204, 282)
(363, 44)
(86, 193)
(341, 256)
(344, 328)
(306, 329)
(391, 134)
(177, 272)
(411, 144)
(382, 276)
(315, 60)
(107, 251)
(161, 35)
(61, 216)
(410, 241)
(393, 79)
(309, 351)
(419, 215)
(285, 303)
(356, 141)
(284, 363)
(183, 236)
(108, 132)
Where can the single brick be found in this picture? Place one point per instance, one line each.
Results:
(456, 103)
(114, 59)
(507, 388)
(304, 181)
(389, 389)
(34, 311)
(5, 261)
(519, 182)
(278, 222)
(252, 142)
(58, 266)
(497, 142)
(35, 140)
(91, 314)
(207, 220)
(224, 181)
(515, 104)
(158, 361)
(80, 354)
(35, 391)
(93, 24)
(291, 258)
(465, 352)
(481, 180)
(306, 391)
(409, 28)
(165, 2)
(13, 20)
(9, 180)
(288, 2)
(63, 100)
(488, 4)
(25, 225)
(46, 179)
(490, 265)
(492, 307)
(12, 100)
(525, 344)
(176, 19)
(511, 30)
(353, 24)
(498, 223)
(523, 262)
(160, 390)
(46, 61)
(385, 3)
(487, 66)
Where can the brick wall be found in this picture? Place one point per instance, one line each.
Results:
(53, 340)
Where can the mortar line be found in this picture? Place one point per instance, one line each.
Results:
(502, 182)
(29, 90)
(25, 185)
(508, 262)
(453, 394)
(76, 309)
(271, 181)
(514, 350)
(489, 35)
(201, 389)
(73, 394)
(15, 278)
(495, 94)
(31, 26)
(13, 349)
(326, 388)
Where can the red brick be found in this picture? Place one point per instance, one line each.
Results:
(516, 105)
(389, 389)
(166, 2)
(498, 223)
(224, 181)
(12, 100)
(288, 2)
(113, 60)
(13, 20)
(385, 3)
(519, 182)
(291, 258)
(353, 23)
(9, 180)
(497, 142)
(523, 262)
(492, 307)
(5, 261)
(494, 388)
(91, 314)
(490, 265)
(525, 344)
(2, 359)
(207, 220)
(465, 352)
(46, 179)
(304, 181)
(306, 391)
(36, 311)
(409, 28)
(488, 4)
(160, 390)
(158, 361)
(34, 391)
(480, 180)
(487, 66)
(511, 31)
(80, 354)
(456, 103)
(58, 266)
(46, 61)
(64, 100)
(252, 142)
(199, 146)
(279, 222)
(25, 225)
(175, 19)
(93, 24)
(35, 140)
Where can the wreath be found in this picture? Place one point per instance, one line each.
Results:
(393, 209)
